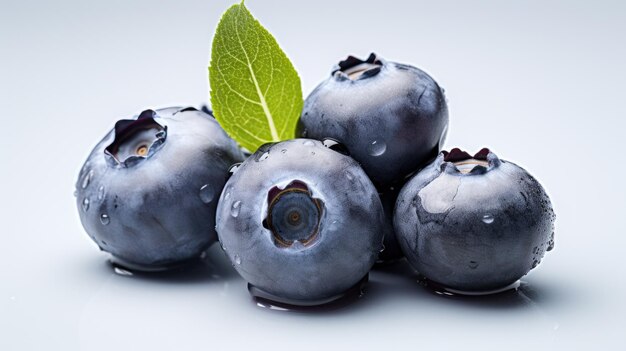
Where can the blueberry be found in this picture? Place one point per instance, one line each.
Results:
(474, 223)
(300, 222)
(392, 117)
(391, 251)
(148, 191)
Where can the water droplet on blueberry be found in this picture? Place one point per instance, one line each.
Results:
(206, 193)
(349, 175)
(237, 259)
(376, 148)
(308, 143)
(101, 193)
(264, 156)
(87, 179)
(85, 204)
(234, 210)
(105, 219)
(122, 271)
(488, 219)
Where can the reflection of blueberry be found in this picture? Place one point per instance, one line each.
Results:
(392, 117)
(474, 223)
(148, 191)
(300, 222)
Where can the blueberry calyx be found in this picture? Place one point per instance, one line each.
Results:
(353, 68)
(460, 162)
(136, 139)
(293, 214)
(206, 109)
(190, 108)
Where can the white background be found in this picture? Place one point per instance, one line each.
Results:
(539, 82)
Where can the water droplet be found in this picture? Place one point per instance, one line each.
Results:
(105, 219)
(87, 179)
(206, 193)
(234, 210)
(101, 193)
(308, 143)
(382, 249)
(85, 204)
(349, 175)
(227, 195)
(283, 150)
(472, 264)
(334, 222)
(376, 148)
(237, 259)
(488, 219)
(122, 271)
(264, 156)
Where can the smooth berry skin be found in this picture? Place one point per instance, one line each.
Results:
(476, 231)
(149, 212)
(393, 118)
(349, 237)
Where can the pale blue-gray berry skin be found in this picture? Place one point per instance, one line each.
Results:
(344, 247)
(475, 230)
(156, 211)
(392, 117)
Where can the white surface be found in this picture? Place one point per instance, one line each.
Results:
(540, 82)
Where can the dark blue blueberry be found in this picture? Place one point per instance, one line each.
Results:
(300, 222)
(392, 117)
(474, 223)
(391, 251)
(147, 194)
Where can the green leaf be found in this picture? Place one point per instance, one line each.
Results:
(255, 90)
